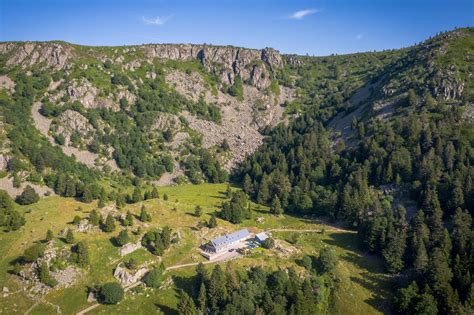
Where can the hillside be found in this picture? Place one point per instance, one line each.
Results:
(376, 145)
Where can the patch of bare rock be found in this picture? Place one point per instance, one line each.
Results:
(7, 83)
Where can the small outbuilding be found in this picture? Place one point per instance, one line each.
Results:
(260, 237)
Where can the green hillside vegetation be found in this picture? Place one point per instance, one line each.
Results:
(379, 144)
(405, 185)
(58, 212)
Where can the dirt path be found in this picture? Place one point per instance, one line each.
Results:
(43, 124)
(136, 284)
(309, 230)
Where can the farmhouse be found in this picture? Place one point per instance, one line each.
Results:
(225, 242)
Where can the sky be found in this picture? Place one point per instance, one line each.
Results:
(294, 26)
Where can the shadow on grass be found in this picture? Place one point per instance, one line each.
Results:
(187, 284)
(344, 240)
(166, 309)
(379, 285)
(372, 276)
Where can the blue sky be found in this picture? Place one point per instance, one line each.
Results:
(304, 27)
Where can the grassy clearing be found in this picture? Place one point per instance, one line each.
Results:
(362, 287)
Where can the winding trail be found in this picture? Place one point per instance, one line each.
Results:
(86, 157)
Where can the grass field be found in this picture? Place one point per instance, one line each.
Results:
(362, 287)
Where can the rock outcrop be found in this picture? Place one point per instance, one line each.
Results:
(128, 277)
(71, 121)
(54, 55)
(227, 62)
(129, 248)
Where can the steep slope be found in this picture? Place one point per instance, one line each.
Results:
(149, 109)
(396, 166)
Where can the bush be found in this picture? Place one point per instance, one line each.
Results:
(109, 225)
(33, 252)
(111, 293)
(131, 264)
(268, 243)
(153, 278)
(80, 254)
(45, 277)
(28, 196)
(327, 259)
(122, 238)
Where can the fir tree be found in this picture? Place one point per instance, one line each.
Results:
(69, 237)
(276, 206)
(49, 236)
(186, 305)
(109, 225)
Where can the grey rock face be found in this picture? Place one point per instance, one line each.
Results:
(226, 61)
(55, 55)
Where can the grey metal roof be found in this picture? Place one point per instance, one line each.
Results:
(230, 238)
(261, 236)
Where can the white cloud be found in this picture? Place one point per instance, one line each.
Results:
(359, 36)
(159, 20)
(299, 15)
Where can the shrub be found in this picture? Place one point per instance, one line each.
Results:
(69, 237)
(45, 277)
(109, 225)
(268, 243)
(28, 196)
(80, 254)
(33, 252)
(111, 293)
(122, 238)
(153, 278)
(327, 259)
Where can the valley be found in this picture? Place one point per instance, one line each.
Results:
(118, 163)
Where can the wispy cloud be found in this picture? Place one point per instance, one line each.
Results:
(359, 36)
(159, 20)
(299, 15)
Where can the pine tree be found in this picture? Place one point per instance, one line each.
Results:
(69, 237)
(248, 187)
(122, 238)
(120, 201)
(154, 193)
(198, 211)
(101, 203)
(186, 304)
(76, 220)
(137, 195)
(128, 221)
(94, 218)
(263, 191)
(144, 216)
(212, 222)
(109, 225)
(228, 191)
(86, 195)
(421, 258)
(49, 235)
(426, 304)
(201, 274)
(80, 254)
(202, 299)
(217, 288)
(276, 206)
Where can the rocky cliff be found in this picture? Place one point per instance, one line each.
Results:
(253, 66)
